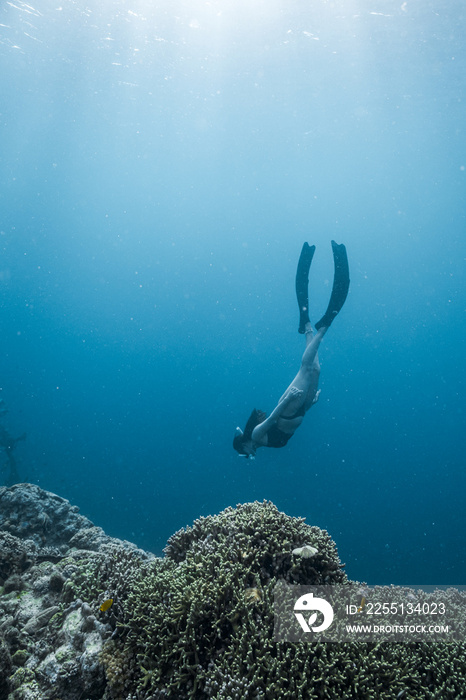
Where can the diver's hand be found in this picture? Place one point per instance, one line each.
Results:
(294, 393)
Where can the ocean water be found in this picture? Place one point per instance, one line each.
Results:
(161, 164)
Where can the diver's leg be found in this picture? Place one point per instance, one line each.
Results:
(340, 286)
(308, 332)
(310, 359)
(302, 285)
(307, 378)
(312, 375)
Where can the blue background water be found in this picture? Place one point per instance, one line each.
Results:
(161, 165)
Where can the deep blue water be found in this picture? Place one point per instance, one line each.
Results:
(161, 165)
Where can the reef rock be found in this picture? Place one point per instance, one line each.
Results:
(50, 639)
(49, 521)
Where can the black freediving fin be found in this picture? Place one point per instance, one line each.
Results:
(340, 285)
(302, 284)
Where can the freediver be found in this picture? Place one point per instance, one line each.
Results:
(276, 429)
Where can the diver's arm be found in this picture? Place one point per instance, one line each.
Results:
(260, 430)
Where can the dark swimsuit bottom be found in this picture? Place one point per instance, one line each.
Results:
(278, 438)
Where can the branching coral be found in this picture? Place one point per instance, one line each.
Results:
(208, 605)
(199, 624)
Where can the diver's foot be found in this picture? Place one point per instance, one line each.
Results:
(309, 333)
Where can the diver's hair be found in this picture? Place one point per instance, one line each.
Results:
(238, 444)
(254, 419)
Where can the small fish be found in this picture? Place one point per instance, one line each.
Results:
(106, 605)
(361, 603)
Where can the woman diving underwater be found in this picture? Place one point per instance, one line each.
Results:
(276, 429)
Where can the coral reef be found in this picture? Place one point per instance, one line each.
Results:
(87, 617)
(201, 620)
(48, 522)
(50, 638)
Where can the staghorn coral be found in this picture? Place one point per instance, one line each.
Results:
(206, 610)
(260, 537)
(96, 576)
(199, 624)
